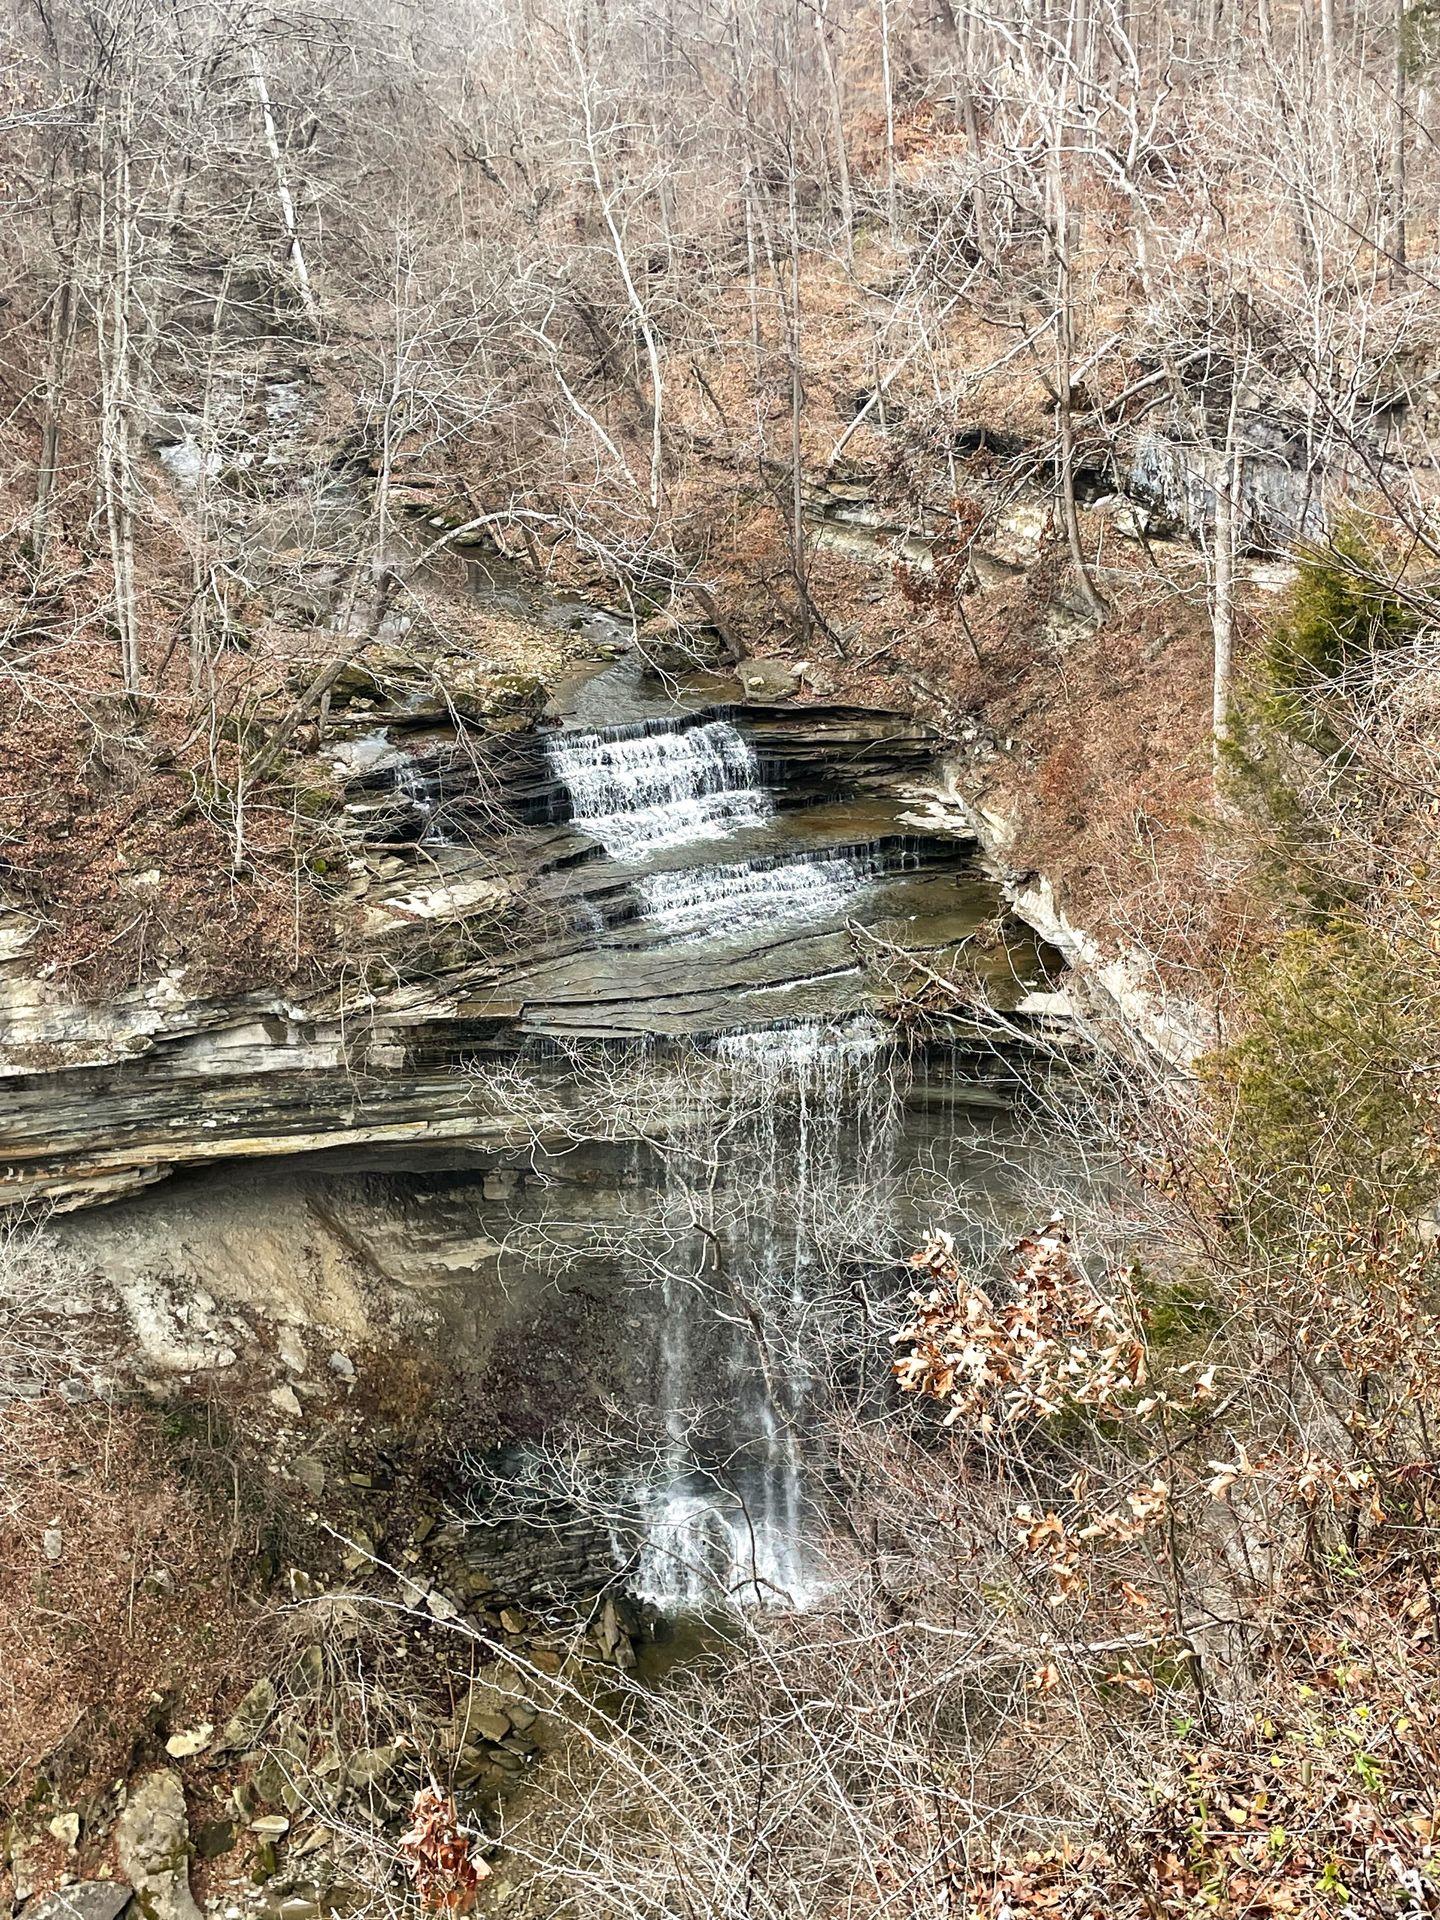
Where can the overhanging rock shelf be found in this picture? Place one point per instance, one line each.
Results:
(687, 872)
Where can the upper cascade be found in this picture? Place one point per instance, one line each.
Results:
(638, 790)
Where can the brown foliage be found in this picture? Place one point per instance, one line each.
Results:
(116, 1603)
(117, 833)
(1052, 1342)
(439, 1854)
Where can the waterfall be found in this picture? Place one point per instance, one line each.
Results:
(420, 792)
(750, 893)
(640, 789)
(804, 1184)
(769, 1180)
(825, 1100)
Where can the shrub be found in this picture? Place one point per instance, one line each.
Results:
(1340, 612)
(1286, 761)
(1324, 1098)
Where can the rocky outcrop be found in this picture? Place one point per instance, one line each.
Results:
(492, 923)
(86, 1900)
(1122, 989)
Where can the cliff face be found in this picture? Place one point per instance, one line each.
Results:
(603, 1114)
(617, 845)
(687, 871)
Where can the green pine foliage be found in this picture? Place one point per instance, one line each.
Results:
(1341, 611)
(1329, 1100)
(1328, 1109)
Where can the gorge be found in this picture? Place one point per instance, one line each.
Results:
(719, 960)
(668, 1098)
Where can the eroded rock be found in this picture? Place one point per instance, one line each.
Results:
(87, 1900)
(152, 1844)
(250, 1718)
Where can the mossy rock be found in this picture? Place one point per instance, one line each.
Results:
(481, 694)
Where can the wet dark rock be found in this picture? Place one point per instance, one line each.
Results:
(216, 1837)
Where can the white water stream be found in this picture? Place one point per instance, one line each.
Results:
(751, 893)
(792, 1149)
(802, 1174)
(639, 790)
(778, 1178)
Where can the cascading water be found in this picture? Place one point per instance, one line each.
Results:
(640, 789)
(769, 1179)
(750, 893)
(804, 1181)
(418, 791)
(781, 1156)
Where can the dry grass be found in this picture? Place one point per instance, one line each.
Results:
(119, 1610)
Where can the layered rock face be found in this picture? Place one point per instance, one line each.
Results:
(684, 868)
(610, 1116)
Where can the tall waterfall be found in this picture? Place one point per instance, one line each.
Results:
(798, 1170)
(640, 789)
(774, 1174)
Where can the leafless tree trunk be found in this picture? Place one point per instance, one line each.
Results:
(1227, 517)
(888, 84)
(586, 85)
(1064, 324)
(115, 268)
(282, 189)
(837, 116)
(61, 333)
(1399, 206)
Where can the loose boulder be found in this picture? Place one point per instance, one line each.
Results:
(152, 1842)
(86, 1900)
(250, 1718)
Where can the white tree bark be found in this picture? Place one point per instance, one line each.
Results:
(632, 292)
(282, 188)
(1222, 603)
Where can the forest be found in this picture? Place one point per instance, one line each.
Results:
(720, 959)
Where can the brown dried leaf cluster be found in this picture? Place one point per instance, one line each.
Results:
(1054, 1342)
